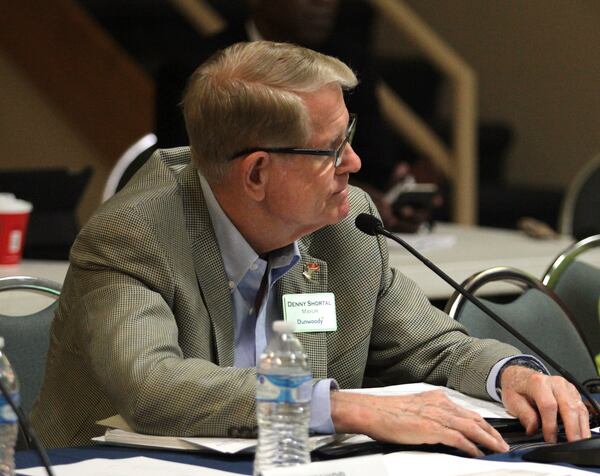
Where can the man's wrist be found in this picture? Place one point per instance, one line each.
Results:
(350, 411)
(521, 361)
(320, 413)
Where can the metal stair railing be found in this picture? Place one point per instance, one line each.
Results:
(457, 163)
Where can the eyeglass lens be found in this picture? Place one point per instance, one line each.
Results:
(347, 140)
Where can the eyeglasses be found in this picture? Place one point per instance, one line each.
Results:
(335, 153)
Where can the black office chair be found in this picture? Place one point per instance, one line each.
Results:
(578, 285)
(580, 213)
(536, 312)
(26, 339)
(128, 164)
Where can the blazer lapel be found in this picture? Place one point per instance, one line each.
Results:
(212, 279)
(308, 276)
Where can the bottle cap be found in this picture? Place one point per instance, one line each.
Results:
(283, 327)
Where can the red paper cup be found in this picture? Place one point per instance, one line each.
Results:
(14, 216)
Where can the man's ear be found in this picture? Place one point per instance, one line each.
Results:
(256, 169)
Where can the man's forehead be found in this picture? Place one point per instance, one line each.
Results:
(324, 105)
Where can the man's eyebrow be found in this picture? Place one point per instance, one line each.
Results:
(341, 136)
(337, 140)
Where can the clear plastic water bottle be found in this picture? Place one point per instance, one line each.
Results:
(282, 402)
(9, 429)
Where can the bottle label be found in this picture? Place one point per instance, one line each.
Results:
(7, 414)
(283, 388)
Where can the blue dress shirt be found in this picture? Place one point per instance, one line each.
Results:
(252, 327)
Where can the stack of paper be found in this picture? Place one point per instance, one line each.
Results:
(120, 433)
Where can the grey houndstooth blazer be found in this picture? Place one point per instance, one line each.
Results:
(144, 326)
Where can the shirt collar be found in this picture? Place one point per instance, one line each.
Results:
(237, 254)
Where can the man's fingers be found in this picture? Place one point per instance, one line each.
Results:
(584, 422)
(524, 390)
(548, 408)
(434, 432)
(558, 397)
(520, 407)
(479, 421)
(574, 415)
(456, 439)
(479, 432)
(466, 422)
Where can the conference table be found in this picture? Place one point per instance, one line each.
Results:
(242, 464)
(235, 464)
(461, 251)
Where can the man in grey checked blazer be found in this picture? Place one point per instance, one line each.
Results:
(145, 324)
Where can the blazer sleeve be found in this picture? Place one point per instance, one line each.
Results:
(131, 294)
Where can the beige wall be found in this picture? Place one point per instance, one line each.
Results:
(538, 66)
(34, 134)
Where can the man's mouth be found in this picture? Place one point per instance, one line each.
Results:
(341, 190)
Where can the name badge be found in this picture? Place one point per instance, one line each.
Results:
(310, 312)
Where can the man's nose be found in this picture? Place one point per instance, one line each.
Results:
(351, 162)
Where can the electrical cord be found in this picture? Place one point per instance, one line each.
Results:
(30, 435)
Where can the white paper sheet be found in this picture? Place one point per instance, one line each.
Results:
(223, 445)
(486, 408)
(416, 462)
(126, 467)
(424, 241)
(357, 466)
(238, 445)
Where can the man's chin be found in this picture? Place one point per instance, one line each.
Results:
(343, 210)
(337, 214)
(335, 218)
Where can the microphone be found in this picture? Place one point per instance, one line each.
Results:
(372, 226)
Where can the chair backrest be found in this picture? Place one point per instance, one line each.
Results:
(578, 285)
(536, 312)
(27, 337)
(128, 164)
(580, 214)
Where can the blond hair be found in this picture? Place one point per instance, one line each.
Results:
(247, 96)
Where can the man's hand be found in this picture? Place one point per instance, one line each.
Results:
(407, 219)
(424, 418)
(534, 397)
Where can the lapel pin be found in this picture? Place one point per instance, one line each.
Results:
(310, 269)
